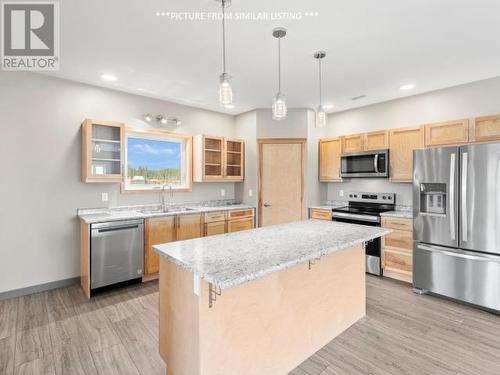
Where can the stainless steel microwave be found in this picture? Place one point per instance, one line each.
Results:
(365, 164)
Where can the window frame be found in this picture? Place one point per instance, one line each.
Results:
(165, 136)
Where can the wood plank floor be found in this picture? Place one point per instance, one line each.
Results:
(60, 332)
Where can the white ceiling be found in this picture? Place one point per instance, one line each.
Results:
(373, 47)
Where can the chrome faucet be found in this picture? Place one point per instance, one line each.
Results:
(162, 195)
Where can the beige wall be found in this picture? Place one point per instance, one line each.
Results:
(40, 183)
(470, 100)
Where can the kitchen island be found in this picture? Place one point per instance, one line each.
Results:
(262, 301)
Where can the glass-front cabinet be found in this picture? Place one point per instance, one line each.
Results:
(102, 151)
(233, 149)
(218, 158)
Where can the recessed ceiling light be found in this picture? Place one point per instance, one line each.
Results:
(409, 86)
(229, 106)
(328, 106)
(108, 77)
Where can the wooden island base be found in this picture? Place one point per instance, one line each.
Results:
(267, 326)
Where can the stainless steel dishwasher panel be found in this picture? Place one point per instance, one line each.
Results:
(116, 252)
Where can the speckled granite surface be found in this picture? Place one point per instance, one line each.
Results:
(92, 216)
(402, 212)
(231, 259)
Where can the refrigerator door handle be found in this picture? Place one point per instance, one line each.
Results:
(452, 196)
(465, 159)
(459, 253)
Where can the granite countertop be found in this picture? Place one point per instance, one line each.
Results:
(231, 259)
(401, 214)
(93, 216)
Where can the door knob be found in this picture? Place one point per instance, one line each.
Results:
(267, 205)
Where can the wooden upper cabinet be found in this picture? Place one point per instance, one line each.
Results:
(447, 133)
(189, 226)
(102, 151)
(353, 143)
(377, 140)
(329, 159)
(402, 142)
(234, 159)
(157, 231)
(218, 158)
(484, 129)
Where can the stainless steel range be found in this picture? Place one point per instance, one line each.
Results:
(365, 209)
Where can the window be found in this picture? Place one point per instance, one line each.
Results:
(156, 159)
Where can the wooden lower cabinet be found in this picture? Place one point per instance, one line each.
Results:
(315, 213)
(239, 225)
(189, 226)
(397, 249)
(157, 231)
(211, 229)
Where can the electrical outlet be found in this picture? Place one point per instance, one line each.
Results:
(104, 197)
(250, 192)
(222, 192)
(341, 193)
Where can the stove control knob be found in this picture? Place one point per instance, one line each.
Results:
(384, 197)
(390, 198)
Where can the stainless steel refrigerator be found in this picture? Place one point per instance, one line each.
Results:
(456, 227)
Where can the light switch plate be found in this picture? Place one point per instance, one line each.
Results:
(341, 193)
(222, 192)
(250, 192)
(104, 197)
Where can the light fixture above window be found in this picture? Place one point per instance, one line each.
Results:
(163, 119)
(225, 89)
(321, 115)
(279, 101)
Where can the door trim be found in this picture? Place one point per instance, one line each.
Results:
(263, 141)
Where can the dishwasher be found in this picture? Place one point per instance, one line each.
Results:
(116, 253)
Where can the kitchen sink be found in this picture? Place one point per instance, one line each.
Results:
(161, 210)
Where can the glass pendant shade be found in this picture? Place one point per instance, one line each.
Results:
(279, 107)
(225, 90)
(321, 117)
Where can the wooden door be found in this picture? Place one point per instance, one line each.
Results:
(189, 226)
(377, 140)
(329, 159)
(156, 231)
(402, 142)
(485, 129)
(281, 181)
(234, 157)
(352, 143)
(447, 133)
(214, 228)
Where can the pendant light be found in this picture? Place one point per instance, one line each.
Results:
(279, 101)
(225, 89)
(321, 115)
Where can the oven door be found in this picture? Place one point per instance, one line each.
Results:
(373, 247)
(365, 164)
